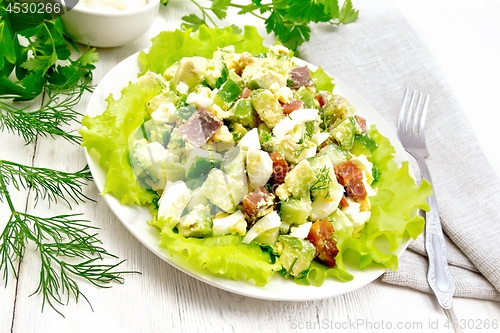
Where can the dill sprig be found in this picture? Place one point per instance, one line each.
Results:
(46, 183)
(301, 143)
(68, 246)
(323, 181)
(58, 240)
(58, 110)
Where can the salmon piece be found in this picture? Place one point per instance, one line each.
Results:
(343, 202)
(280, 167)
(257, 203)
(292, 106)
(347, 172)
(357, 190)
(322, 98)
(362, 123)
(320, 236)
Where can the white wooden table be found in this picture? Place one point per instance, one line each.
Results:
(162, 299)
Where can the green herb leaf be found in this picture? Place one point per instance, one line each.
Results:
(192, 22)
(306, 11)
(47, 120)
(46, 45)
(7, 50)
(219, 8)
(332, 8)
(347, 13)
(288, 19)
(30, 87)
(236, 29)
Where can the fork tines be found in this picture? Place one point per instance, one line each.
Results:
(405, 123)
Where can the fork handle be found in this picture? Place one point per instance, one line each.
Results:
(438, 275)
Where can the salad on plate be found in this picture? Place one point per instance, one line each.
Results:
(251, 164)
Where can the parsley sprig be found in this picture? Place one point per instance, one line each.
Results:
(287, 19)
(30, 46)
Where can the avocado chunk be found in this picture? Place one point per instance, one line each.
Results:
(176, 140)
(170, 72)
(363, 144)
(233, 163)
(223, 191)
(160, 133)
(263, 79)
(172, 171)
(195, 184)
(344, 133)
(238, 131)
(300, 179)
(200, 161)
(147, 159)
(296, 210)
(152, 80)
(197, 223)
(325, 176)
(336, 154)
(227, 94)
(185, 112)
(280, 63)
(297, 255)
(342, 225)
(244, 113)
(190, 71)
(319, 161)
(336, 106)
(217, 72)
(267, 106)
(163, 98)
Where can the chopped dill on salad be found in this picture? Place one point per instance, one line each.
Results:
(252, 165)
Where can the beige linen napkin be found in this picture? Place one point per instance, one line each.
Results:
(378, 56)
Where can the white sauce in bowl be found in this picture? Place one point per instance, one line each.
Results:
(111, 5)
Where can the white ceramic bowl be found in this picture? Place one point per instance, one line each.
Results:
(109, 29)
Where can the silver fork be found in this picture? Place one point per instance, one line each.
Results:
(411, 133)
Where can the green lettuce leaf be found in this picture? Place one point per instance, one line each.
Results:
(171, 46)
(322, 80)
(223, 256)
(397, 196)
(108, 134)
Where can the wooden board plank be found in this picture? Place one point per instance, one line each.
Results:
(473, 315)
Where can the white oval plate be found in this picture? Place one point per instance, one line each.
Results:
(134, 217)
